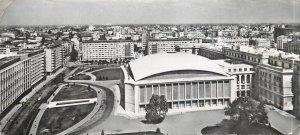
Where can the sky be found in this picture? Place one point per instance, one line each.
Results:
(72, 12)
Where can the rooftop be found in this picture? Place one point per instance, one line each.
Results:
(6, 61)
(166, 62)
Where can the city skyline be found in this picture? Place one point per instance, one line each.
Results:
(67, 12)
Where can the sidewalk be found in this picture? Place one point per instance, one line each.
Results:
(37, 119)
(29, 95)
(6, 118)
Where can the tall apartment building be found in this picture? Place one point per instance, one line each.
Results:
(19, 74)
(244, 75)
(274, 81)
(106, 50)
(54, 58)
(168, 45)
(15, 79)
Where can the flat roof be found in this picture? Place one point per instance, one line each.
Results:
(7, 61)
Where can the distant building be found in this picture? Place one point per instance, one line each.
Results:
(234, 41)
(106, 50)
(243, 72)
(292, 47)
(247, 54)
(8, 51)
(54, 58)
(182, 78)
(281, 41)
(168, 45)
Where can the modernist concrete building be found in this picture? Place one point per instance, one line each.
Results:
(168, 45)
(54, 58)
(106, 50)
(188, 82)
(243, 72)
(19, 74)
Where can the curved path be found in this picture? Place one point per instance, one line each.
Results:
(44, 106)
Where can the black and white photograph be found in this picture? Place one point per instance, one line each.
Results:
(149, 67)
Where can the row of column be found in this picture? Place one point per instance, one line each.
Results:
(242, 82)
(215, 88)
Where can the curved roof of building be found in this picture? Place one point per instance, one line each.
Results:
(165, 62)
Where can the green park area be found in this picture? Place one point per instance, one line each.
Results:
(56, 120)
(108, 74)
(71, 92)
(80, 77)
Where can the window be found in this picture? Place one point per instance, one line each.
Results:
(229, 70)
(240, 69)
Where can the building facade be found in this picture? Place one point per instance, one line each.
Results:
(168, 45)
(296, 89)
(182, 78)
(281, 42)
(106, 50)
(244, 75)
(15, 79)
(54, 58)
(249, 55)
(274, 85)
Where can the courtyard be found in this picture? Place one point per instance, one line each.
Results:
(182, 124)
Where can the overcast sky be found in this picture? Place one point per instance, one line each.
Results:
(48, 12)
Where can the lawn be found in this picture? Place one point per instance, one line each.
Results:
(56, 120)
(80, 77)
(75, 92)
(229, 127)
(108, 74)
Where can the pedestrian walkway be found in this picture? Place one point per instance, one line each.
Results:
(49, 104)
(42, 84)
(91, 75)
(71, 102)
(8, 116)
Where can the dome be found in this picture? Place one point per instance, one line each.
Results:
(166, 62)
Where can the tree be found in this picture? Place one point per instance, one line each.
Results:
(43, 40)
(177, 48)
(73, 54)
(157, 109)
(193, 50)
(245, 111)
(102, 132)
